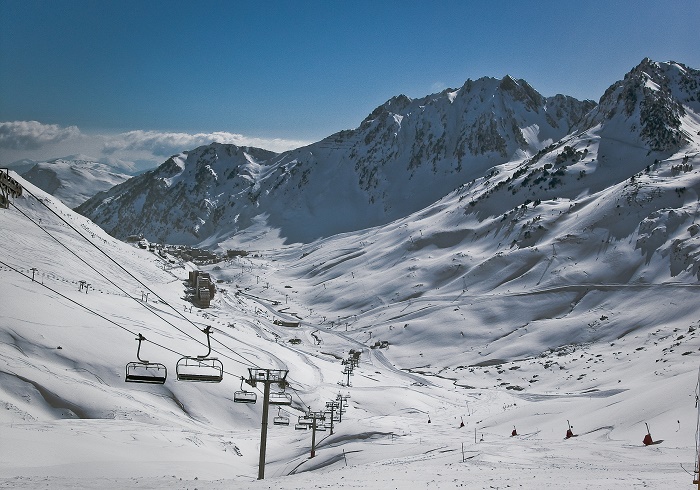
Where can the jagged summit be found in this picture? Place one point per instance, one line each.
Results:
(408, 153)
(657, 104)
(187, 198)
(405, 155)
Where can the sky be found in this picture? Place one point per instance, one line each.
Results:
(133, 82)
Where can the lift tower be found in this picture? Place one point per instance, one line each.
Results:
(267, 377)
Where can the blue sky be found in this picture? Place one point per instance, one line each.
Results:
(283, 73)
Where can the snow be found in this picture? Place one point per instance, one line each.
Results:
(607, 354)
(514, 301)
(73, 181)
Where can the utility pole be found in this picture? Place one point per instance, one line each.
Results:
(341, 410)
(331, 406)
(347, 370)
(9, 187)
(315, 418)
(266, 377)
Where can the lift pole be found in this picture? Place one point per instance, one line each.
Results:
(266, 377)
(331, 406)
(263, 432)
(341, 399)
(9, 187)
(311, 419)
(347, 370)
(313, 437)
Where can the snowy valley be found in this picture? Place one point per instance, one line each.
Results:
(498, 259)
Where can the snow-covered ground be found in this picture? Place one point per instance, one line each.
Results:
(526, 343)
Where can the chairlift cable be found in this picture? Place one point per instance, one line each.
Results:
(96, 313)
(130, 274)
(86, 308)
(247, 361)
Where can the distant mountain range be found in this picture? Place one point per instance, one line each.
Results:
(409, 153)
(73, 181)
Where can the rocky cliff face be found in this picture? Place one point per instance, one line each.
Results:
(652, 102)
(409, 153)
(405, 155)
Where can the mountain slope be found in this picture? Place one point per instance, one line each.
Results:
(404, 156)
(73, 181)
(586, 323)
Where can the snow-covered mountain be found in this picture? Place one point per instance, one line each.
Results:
(21, 166)
(558, 287)
(405, 155)
(73, 181)
(562, 312)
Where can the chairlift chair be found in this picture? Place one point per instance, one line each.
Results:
(243, 396)
(301, 427)
(280, 398)
(200, 368)
(143, 371)
(280, 419)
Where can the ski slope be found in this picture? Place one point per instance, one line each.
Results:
(494, 352)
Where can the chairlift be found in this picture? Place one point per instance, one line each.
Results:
(280, 419)
(200, 368)
(280, 398)
(243, 396)
(320, 427)
(301, 427)
(142, 371)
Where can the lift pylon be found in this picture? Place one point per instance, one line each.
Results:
(315, 418)
(342, 399)
(331, 408)
(9, 187)
(267, 377)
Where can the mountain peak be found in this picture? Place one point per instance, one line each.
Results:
(392, 106)
(651, 102)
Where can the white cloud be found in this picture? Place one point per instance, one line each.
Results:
(32, 135)
(131, 151)
(166, 144)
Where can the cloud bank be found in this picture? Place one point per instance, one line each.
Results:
(32, 135)
(165, 144)
(130, 151)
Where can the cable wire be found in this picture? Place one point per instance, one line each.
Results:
(247, 361)
(85, 307)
